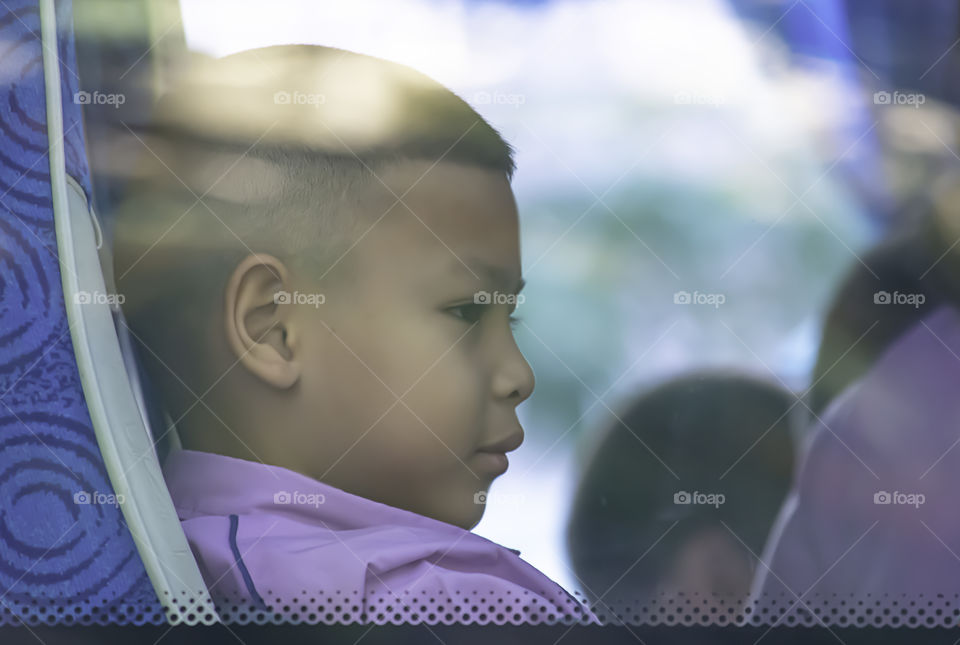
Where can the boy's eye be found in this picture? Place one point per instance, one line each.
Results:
(470, 312)
(473, 312)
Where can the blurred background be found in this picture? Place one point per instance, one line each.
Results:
(695, 178)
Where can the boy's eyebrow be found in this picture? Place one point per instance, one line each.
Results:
(496, 275)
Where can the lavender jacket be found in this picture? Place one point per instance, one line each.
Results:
(267, 535)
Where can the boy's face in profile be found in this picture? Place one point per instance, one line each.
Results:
(404, 380)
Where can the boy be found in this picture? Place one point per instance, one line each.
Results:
(307, 257)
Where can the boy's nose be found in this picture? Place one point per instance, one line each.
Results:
(514, 379)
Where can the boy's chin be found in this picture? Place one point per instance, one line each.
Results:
(466, 517)
(474, 520)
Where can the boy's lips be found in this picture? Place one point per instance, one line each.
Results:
(493, 457)
(494, 463)
(505, 445)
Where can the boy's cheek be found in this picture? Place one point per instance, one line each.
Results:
(400, 443)
(460, 501)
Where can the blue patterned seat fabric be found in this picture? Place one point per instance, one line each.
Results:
(53, 543)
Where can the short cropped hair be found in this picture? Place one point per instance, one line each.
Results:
(280, 144)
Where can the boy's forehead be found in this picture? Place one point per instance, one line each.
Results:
(462, 216)
(463, 205)
(496, 276)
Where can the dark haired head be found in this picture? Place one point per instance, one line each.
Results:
(710, 433)
(886, 292)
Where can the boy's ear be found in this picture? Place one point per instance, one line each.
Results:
(258, 328)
